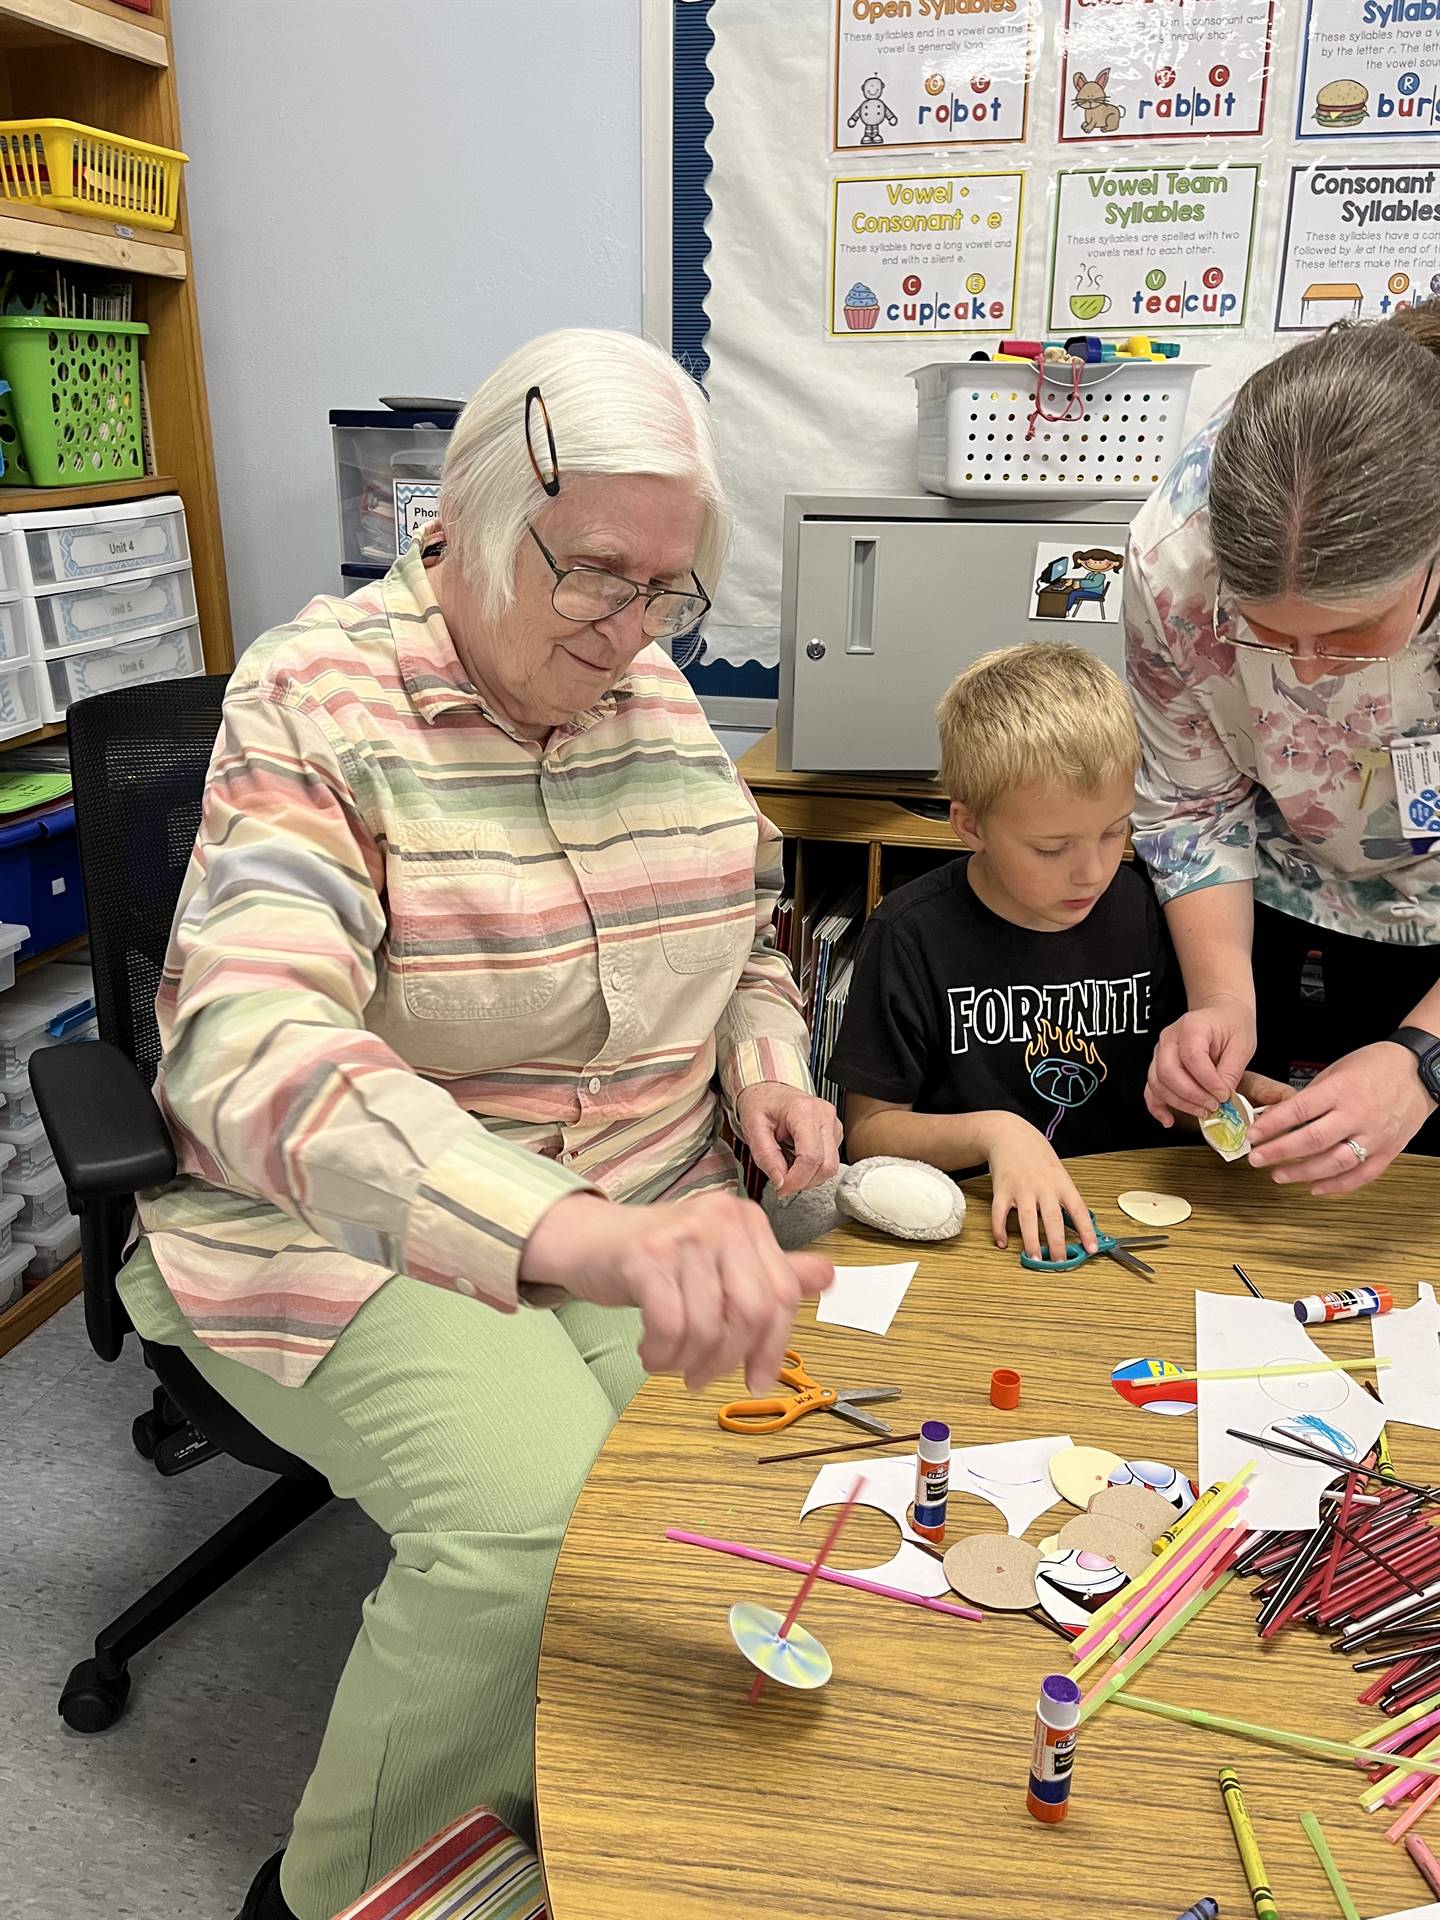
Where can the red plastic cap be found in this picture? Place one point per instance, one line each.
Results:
(1005, 1389)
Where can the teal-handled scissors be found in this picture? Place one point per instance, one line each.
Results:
(1107, 1247)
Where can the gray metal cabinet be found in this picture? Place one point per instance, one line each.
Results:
(885, 599)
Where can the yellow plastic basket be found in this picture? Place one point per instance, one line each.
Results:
(59, 163)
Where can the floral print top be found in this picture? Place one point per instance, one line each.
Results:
(1247, 774)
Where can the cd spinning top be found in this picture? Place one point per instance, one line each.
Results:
(795, 1659)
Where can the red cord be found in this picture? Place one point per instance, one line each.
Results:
(1037, 412)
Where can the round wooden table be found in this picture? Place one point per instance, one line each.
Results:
(899, 1789)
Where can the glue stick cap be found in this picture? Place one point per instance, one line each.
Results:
(1005, 1388)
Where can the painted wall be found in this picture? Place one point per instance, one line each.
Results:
(386, 197)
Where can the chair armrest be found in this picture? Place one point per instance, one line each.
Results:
(102, 1121)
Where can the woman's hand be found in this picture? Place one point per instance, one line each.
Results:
(1372, 1096)
(1198, 1061)
(772, 1117)
(713, 1289)
(1028, 1178)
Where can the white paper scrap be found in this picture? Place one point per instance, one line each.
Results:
(1409, 1338)
(1432, 1912)
(1318, 1409)
(866, 1298)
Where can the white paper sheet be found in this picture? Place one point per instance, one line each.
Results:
(1325, 1409)
(1409, 1338)
(1432, 1912)
(866, 1298)
(1011, 1475)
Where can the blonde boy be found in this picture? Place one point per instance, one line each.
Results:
(1004, 1008)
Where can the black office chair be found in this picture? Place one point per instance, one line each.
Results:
(139, 758)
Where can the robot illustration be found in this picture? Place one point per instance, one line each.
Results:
(872, 113)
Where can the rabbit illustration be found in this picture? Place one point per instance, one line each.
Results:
(1100, 115)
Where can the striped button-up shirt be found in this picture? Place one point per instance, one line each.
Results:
(427, 976)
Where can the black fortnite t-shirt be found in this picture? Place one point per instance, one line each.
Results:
(954, 1010)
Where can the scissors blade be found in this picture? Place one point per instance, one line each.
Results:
(871, 1422)
(1144, 1240)
(1127, 1260)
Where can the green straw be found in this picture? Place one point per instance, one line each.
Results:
(1110, 1683)
(1323, 1854)
(1274, 1736)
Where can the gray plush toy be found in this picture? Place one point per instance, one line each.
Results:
(906, 1198)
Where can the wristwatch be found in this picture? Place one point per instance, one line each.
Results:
(1426, 1049)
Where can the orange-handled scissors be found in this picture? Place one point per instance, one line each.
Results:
(783, 1410)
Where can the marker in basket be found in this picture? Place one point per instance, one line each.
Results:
(932, 1480)
(1350, 1303)
(1052, 1758)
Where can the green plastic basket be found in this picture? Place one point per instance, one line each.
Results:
(75, 396)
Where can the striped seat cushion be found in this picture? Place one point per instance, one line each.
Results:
(475, 1869)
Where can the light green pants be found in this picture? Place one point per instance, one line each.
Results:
(466, 1434)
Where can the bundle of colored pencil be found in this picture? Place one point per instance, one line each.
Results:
(1369, 1574)
(1146, 1616)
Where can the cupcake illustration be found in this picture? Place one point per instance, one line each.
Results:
(862, 309)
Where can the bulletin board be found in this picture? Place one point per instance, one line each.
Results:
(853, 188)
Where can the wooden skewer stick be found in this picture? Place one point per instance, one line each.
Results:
(846, 1446)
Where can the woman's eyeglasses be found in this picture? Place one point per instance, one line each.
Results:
(586, 594)
(1224, 628)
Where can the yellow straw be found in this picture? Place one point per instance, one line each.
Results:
(1118, 1676)
(1272, 1736)
(1281, 1368)
(1400, 1766)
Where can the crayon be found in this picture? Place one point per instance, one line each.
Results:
(1424, 1861)
(1254, 1867)
(1206, 1909)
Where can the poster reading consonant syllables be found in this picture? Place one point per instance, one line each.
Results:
(930, 73)
(1152, 250)
(924, 253)
(1369, 69)
(1360, 240)
(1164, 69)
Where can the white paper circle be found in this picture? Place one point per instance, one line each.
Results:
(1154, 1209)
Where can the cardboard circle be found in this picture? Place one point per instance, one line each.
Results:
(1078, 1473)
(1154, 1209)
(1130, 1547)
(994, 1570)
(1138, 1506)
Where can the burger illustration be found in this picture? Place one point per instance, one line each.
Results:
(1342, 104)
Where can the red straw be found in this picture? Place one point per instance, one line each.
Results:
(811, 1577)
(1337, 1543)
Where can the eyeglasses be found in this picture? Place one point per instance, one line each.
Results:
(583, 594)
(1321, 651)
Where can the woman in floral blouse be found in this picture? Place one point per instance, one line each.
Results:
(1280, 609)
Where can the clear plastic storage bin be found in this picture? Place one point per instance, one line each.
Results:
(14, 640)
(10, 1205)
(33, 1152)
(49, 1248)
(87, 543)
(387, 476)
(19, 1103)
(175, 654)
(12, 938)
(43, 1201)
(14, 578)
(19, 698)
(12, 1271)
(87, 616)
(51, 1005)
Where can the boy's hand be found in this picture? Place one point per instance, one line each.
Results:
(1028, 1179)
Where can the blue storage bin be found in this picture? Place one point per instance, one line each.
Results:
(40, 873)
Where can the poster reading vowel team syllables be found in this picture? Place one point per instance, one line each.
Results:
(1360, 240)
(924, 253)
(1164, 69)
(1369, 69)
(1152, 249)
(930, 73)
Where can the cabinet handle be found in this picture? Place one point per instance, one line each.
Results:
(860, 627)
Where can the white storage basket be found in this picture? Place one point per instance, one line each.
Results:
(974, 416)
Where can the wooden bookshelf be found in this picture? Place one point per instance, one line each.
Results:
(106, 493)
(93, 23)
(33, 1309)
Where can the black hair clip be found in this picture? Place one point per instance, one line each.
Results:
(535, 398)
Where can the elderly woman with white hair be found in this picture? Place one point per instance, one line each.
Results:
(478, 912)
(1281, 601)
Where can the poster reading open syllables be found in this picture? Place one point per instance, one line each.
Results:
(1360, 239)
(924, 253)
(1164, 69)
(930, 73)
(1152, 249)
(1369, 69)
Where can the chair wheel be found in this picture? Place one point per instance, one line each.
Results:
(93, 1701)
(147, 1430)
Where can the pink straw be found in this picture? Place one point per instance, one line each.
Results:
(1402, 1736)
(1205, 1534)
(1154, 1603)
(1201, 1577)
(739, 1552)
(1423, 1802)
(812, 1576)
